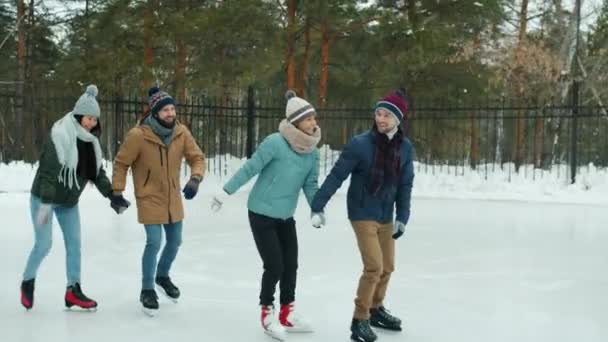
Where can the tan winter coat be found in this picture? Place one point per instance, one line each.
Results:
(156, 171)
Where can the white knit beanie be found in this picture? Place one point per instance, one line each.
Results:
(297, 108)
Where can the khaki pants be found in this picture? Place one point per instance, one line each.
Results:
(377, 248)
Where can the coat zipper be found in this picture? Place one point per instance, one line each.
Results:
(169, 184)
(160, 151)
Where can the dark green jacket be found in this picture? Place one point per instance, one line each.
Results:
(46, 183)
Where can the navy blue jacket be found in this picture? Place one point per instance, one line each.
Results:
(357, 160)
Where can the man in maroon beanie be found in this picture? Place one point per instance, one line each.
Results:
(380, 163)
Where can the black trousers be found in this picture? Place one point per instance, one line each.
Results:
(277, 243)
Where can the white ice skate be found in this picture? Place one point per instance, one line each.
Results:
(271, 324)
(292, 321)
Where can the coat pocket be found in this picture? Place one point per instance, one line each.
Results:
(147, 177)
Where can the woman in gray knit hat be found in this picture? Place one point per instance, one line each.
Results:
(69, 160)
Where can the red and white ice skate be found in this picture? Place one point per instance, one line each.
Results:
(271, 325)
(292, 321)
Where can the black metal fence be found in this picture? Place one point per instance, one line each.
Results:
(533, 140)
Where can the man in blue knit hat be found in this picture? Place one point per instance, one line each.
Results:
(154, 150)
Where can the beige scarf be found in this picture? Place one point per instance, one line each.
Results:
(299, 141)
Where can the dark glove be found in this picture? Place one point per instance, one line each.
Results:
(191, 188)
(119, 203)
(398, 229)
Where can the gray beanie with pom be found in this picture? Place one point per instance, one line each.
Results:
(87, 103)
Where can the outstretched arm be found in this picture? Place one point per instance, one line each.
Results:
(262, 156)
(344, 166)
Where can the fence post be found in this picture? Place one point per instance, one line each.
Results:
(118, 123)
(574, 133)
(250, 121)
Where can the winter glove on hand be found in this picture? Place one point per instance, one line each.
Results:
(398, 229)
(317, 219)
(191, 188)
(217, 201)
(43, 214)
(119, 203)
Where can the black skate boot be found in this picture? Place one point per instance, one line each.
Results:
(169, 289)
(361, 331)
(381, 318)
(149, 300)
(27, 293)
(75, 297)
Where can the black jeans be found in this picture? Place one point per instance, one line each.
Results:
(277, 243)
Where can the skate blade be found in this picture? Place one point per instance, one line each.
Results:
(357, 339)
(387, 329)
(149, 312)
(79, 309)
(298, 330)
(162, 291)
(278, 337)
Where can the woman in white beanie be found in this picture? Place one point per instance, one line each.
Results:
(69, 160)
(285, 162)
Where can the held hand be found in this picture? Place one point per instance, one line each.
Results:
(317, 219)
(218, 201)
(398, 229)
(119, 203)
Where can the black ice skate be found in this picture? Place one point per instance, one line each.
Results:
(361, 331)
(381, 318)
(168, 288)
(149, 300)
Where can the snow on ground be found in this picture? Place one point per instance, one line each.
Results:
(488, 182)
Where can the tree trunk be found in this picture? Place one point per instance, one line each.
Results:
(180, 69)
(21, 62)
(474, 158)
(324, 76)
(519, 121)
(539, 128)
(412, 15)
(180, 75)
(302, 83)
(87, 41)
(148, 40)
(567, 57)
(29, 141)
(291, 44)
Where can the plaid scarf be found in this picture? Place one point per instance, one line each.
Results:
(387, 157)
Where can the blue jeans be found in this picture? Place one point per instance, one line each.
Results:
(69, 221)
(154, 235)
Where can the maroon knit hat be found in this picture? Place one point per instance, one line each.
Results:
(396, 103)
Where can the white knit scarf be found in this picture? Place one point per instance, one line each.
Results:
(64, 135)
